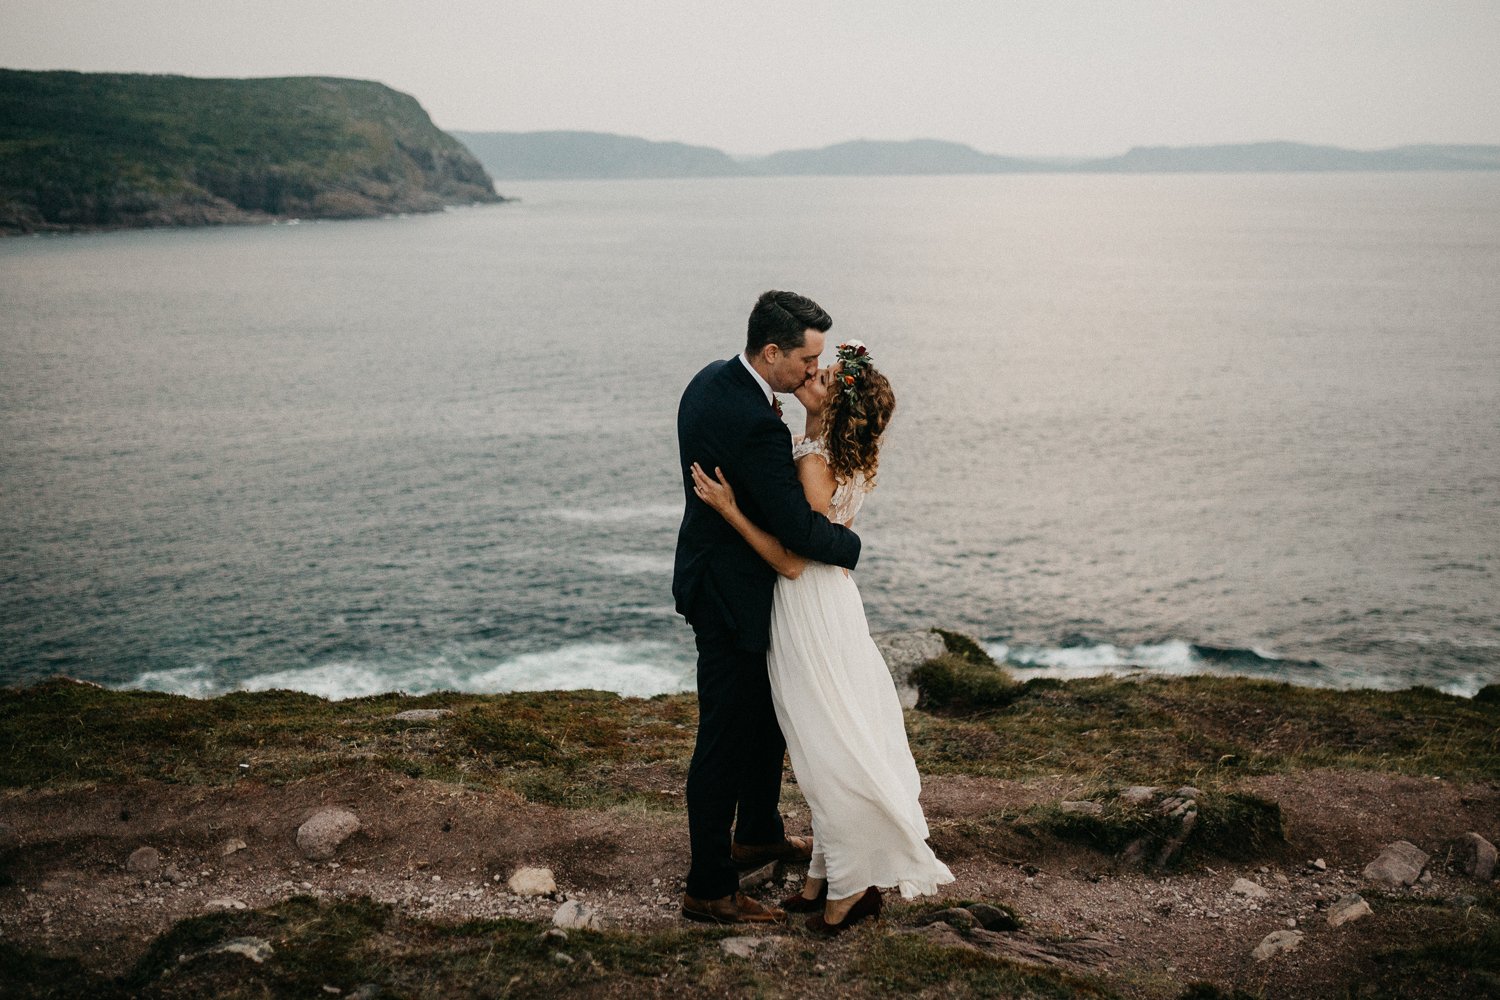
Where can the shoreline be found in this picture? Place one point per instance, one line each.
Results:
(646, 668)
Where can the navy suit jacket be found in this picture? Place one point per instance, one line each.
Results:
(724, 420)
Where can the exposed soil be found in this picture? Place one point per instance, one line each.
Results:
(445, 852)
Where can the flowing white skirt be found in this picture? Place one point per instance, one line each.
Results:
(845, 733)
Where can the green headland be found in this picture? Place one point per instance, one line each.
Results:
(81, 151)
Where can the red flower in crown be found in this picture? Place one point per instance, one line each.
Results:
(853, 357)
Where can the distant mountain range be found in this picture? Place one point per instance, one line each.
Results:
(554, 155)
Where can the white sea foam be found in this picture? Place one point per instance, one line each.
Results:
(639, 670)
(1172, 657)
(634, 669)
(195, 682)
(1467, 686)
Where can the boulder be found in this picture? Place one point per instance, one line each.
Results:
(224, 903)
(904, 652)
(993, 918)
(1400, 864)
(143, 860)
(1248, 889)
(746, 946)
(1348, 908)
(956, 917)
(1276, 942)
(1082, 808)
(1476, 856)
(757, 877)
(1139, 795)
(230, 846)
(532, 882)
(422, 714)
(575, 913)
(324, 831)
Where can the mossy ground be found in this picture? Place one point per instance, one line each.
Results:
(342, 945)
(576, 748)
(1118, 731)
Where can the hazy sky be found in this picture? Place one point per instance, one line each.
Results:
(1006, 76)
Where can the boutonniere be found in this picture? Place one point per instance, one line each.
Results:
(776, 404)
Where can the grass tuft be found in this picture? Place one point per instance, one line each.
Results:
(1235, 826)
(955, 683)
(965, 648)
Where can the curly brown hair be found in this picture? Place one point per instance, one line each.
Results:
(852, 427)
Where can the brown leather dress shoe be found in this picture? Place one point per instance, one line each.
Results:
(790, 849)
(736, 909)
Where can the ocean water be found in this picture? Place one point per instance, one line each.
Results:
(1239, 423)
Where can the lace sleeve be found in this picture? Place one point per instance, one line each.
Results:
(808, 446)
(847, 497)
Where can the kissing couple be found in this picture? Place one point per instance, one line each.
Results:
(785, 659)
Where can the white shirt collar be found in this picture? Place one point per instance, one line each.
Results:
(765, 386)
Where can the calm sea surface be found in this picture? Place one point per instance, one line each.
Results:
(1189, 423)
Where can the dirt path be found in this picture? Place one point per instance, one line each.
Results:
(443, 852)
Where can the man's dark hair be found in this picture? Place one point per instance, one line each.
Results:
(783, 319)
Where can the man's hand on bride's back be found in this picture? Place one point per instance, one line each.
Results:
(715, 492)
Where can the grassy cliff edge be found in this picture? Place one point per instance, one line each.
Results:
(591, 782)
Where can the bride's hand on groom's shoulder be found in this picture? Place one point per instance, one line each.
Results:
(715, 491)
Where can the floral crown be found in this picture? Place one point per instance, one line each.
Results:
(854, 360)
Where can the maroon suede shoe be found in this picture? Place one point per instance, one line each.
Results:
(868, 905)
(798, 903)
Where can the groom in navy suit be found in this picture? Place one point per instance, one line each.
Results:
(729, 419)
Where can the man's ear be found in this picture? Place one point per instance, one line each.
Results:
(769, 353)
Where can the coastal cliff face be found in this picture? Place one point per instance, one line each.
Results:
(106, 151)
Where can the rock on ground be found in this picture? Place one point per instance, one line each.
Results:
(755, 878)
(1276, 942)
(422, 714)
(574, 913)
(142, 860)
(532, 882)
(1477, 856)
(320, 836)
(905, 652)
(255, 949)
(746, 947)
(1348, 908)
(1400, 864)
(1248, 889)
(1082, 954)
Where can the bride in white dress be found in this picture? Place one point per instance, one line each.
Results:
(834, 697)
